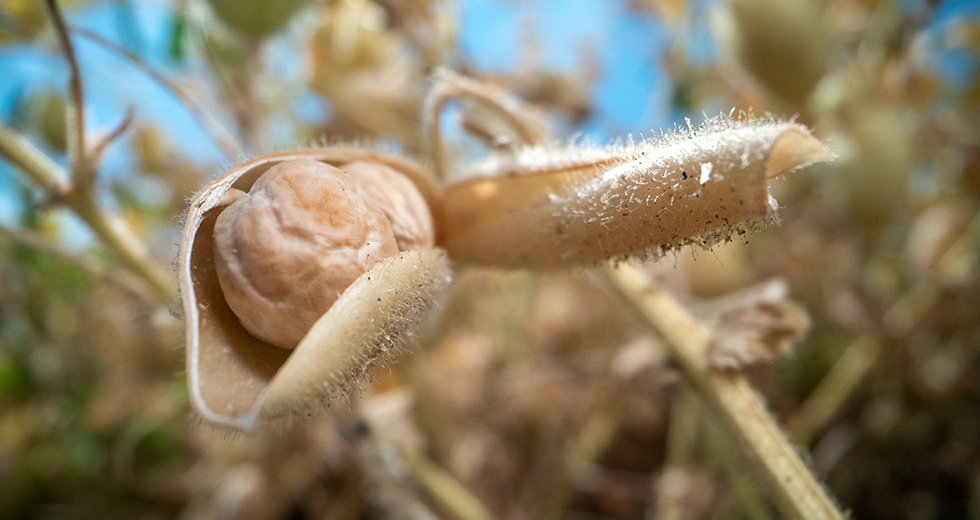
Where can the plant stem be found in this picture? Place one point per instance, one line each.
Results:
(214, 130)
(834, 390)
(124, 280)
(751, 498)
(48, 176)
(848, 372)
(446, 490)
(735, 405)
(682, 440)
(83, 170)
(38, 167)
(528, 125)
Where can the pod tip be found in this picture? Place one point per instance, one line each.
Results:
(793, 149)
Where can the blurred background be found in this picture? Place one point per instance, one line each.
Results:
(535, 395)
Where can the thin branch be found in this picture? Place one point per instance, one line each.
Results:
(112, 136)
(448, 492)
(38, 167)
(50, 177)
(843, 379)
(527, 123)
(682, 447)
(836, 388)
(120, 279)
(83, 170)
(732, 401)
(217, 133)
(750, 497)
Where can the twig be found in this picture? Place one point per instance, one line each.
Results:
(526, 122)
(121, 279)
(847, 373)
(112, 136)
(78, 193)
(750, 497)
(681, 446)
(247, 105)
(735, 405)
(396, 469)
(446, 490)
(38, 167)
(844, 377)
(215, 131)
(83, 171)
(50, 177)
(834, 390)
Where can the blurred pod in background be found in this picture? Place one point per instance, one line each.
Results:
(256, 18)
(784, 45)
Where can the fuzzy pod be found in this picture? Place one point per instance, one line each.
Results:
(239, 380)
(551, 207)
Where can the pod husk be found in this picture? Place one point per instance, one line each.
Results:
(698, 187)
(238, 380)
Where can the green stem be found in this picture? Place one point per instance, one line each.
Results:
(83, 170)
(750, 497)
(48, 176)
(446, 490)
(730, 398)
(38, 167)
(682, 440)
(834, 390)
(842, 380)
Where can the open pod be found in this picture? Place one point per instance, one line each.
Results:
(548, 207)
(238, 380)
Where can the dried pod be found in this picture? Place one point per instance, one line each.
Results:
(546, 207)
(235, 377)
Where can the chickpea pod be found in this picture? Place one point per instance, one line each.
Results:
(293, 281)
(301, 270)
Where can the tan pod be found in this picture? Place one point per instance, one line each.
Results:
(238, 380)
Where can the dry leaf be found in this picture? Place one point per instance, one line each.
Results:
(758, 325)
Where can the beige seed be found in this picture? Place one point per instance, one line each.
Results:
(287, 249)
(399, 199)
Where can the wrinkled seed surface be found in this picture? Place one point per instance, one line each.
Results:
(400, 201)
(287, 249)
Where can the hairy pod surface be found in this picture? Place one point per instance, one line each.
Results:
(548, 207)
(238, 379)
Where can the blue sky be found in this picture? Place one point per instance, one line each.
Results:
(631, 96)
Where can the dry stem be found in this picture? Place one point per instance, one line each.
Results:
(121, 279)
(843, 379)
(83, 170)
(735, 405)
(524, 120)
(218, 134)
(448, 492)
(44, 173)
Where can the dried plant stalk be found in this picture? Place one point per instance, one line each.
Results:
(547, 206)
(730, 398)
(527, 122)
